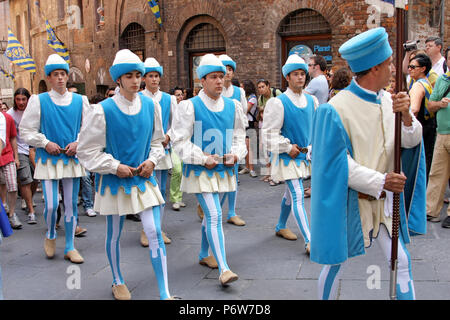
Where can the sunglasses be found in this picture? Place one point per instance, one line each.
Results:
(413, 67)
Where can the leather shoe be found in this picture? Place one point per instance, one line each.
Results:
(144, 239)
(49, 247)
(79, 231)
(308, 248)
(227, 277)
(74, 256)
(433, 219)
(166, 238)
(176, 206)
(200, 212)
(307, 193)
(121, 292)
(286, 234)
(237, 221)
(210, 262)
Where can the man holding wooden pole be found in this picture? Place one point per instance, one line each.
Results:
(353, 168)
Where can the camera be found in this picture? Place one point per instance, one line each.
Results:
(411, 45)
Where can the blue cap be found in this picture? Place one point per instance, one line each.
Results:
(208, 64)
(366, 50)
(294, 62)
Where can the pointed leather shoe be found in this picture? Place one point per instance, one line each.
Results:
(237, 221)
(227, 277)
(121, 292)
(49, 247)
(286, 234)
(74, 256)
(210, 262)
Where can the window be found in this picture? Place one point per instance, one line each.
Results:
(18, 29)
(304, 22)
(133, 38)
(61, 10)
(205, 37)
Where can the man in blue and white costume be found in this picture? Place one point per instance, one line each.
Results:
(352, 168)
(52, 123)
(153, 73)
(210, 139)
(286, 134)
(121, 141)
(238, 94)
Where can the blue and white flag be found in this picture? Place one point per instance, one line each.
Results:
(16, 53)
(155, 9)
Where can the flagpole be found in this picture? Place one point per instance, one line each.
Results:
(30, 45)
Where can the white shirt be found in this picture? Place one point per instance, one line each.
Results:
(183, 129)
(30, 126)
(274, 119)
(22, 147)
(2, 130)
(173, 105)
(92, 140)
(438, 67)
(318, 87)
(228, 92)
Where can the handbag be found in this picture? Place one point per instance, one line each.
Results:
(5, 226)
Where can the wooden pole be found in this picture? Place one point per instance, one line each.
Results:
(400, 17)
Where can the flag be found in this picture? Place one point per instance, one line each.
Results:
(17, 54)
(7, 74)
(402, 4)
(155, 9)
(55, 43)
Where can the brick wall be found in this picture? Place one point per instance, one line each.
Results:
(250, 29)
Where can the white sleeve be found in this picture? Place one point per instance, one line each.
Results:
(244, 107)
(272, 124)
(157, 149)
(173, 110)
(2, 131)
(86, 110)
(30, 126)
(411, 136)
(183, 129)
(238, 146)
(365, 180)
(92, 143)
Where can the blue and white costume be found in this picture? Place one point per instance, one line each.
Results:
(237, 94)
(288, 121)
(52, 117)
(205, 125)
(168, 104)
(353, 150)
(120, 131)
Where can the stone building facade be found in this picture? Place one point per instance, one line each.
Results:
(257, 34)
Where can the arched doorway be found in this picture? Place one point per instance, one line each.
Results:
(305, 32)
(42, 86)
(203, 38)
(133, 38)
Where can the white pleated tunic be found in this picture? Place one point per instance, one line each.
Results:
(183, 128)
(166, 162)
(30, 133)
(278, 144)
(92, 143)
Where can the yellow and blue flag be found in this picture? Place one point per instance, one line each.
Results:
(7, 74)
(155, 9)
(55, 43)
(17, 54)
